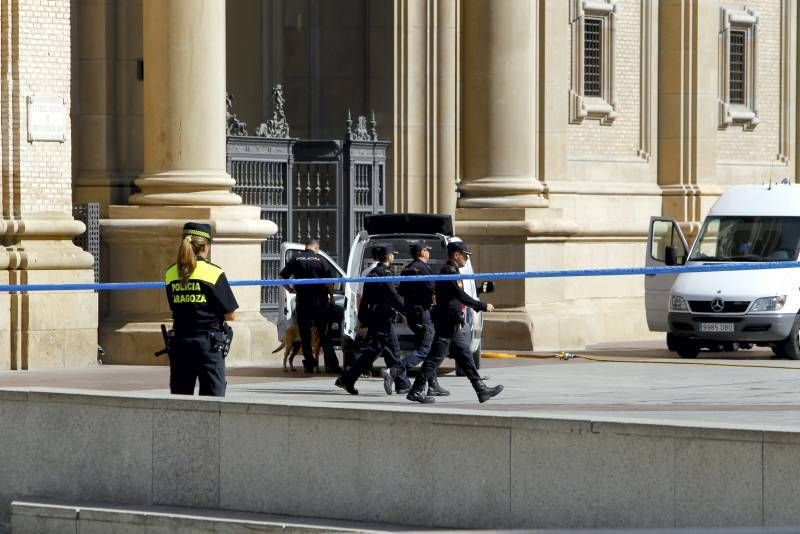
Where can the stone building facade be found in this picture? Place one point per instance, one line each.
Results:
(551, 129)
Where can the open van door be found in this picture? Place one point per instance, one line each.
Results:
(473, 319)
(349, 323)
(666, 245)
(286, 300)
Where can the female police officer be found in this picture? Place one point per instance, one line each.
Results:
(200, 299)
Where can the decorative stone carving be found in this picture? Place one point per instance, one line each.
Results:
(278, 126)
(361, 132)
(234, 126)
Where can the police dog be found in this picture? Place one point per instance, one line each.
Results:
(292, 347)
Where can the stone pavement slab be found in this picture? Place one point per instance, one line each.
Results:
(634, 382)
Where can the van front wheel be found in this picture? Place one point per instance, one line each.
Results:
(684, 347)
(791, 345)
(688, 350)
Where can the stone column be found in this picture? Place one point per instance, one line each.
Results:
(184, 105)
(499, 92)
(184, 179)
(427, 70)
(40, 329)
(510, 144)
(107, 106)
(446, 83)
(687, 141)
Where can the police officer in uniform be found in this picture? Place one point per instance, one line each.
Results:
(311, 305)
(448, 319)
(201, 300)
(376, 313)
(418, 299)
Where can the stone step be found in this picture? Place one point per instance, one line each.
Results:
(43, 516)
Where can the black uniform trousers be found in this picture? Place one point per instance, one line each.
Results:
(381, 339)
(450, 340)
(191, 360)
(419, 321)
(314, 312)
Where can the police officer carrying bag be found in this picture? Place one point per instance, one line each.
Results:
(201, 301)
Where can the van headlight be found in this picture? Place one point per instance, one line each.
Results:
(769, 304)
(678, 303)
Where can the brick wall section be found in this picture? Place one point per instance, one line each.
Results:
(622, 137)
(762, 144)
(44, 178)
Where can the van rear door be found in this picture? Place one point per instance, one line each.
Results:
(664, 233)
(474, 320)
(354, 263)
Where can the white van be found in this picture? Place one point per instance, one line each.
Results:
(726, 310)
(399, 230)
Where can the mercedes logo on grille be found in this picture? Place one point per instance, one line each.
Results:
(717, 305)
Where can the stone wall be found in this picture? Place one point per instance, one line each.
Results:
(480, 470)
(735, 144)
(44, 175)
(46, 329)
(622, 137)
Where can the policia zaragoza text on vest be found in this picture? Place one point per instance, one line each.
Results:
(201, 300)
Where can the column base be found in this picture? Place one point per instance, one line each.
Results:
(142, 241)
(552, 314)
(53, 329)
(502, 192)
(186, 188)
(47, 329)
(566, 326)
(135, 342)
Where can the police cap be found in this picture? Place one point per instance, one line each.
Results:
(458, 246)
(197, 229)
(383, 250)
(417, 247)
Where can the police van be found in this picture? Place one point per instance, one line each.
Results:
(400, 230)
(726, 310)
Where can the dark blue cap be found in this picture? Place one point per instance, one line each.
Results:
(457, 246)
(417, 247)
(197, 229)
(382, 250)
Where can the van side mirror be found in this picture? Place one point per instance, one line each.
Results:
(671, 255)
(486, 286)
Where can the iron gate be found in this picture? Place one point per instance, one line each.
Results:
(318, 189)
(89, 214)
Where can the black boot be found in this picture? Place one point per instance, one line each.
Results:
(401, 383)
(342, 382)
(435, 390)
(417, 393)
(484, 392)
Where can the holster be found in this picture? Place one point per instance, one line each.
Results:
(168, 336)
(221, 341)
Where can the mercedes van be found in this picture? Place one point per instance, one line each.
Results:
(726, 310)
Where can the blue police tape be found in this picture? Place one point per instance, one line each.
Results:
(565, 273)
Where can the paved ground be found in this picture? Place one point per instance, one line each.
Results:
(631, 382)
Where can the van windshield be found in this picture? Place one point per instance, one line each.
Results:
(747, 239)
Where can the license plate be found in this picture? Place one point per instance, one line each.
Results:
(716, 327)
